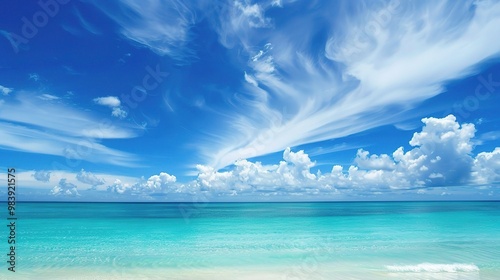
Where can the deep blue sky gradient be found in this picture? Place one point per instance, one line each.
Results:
(83, 53)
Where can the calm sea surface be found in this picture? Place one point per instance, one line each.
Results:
(339, 240)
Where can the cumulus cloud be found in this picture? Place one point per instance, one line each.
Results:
(158, 182)
(441, 156)
(114, 103)
(443, 147)
(5, 90)
(291, 174)
(383, 161)
(65, 189)
(41, 175)
(118, 187)
(486, 168)
(119, 113)
(89, 178)
(161, 183)
(110, 101)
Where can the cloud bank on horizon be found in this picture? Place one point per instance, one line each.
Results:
(441, 157)
(217, 90)
(440, 162)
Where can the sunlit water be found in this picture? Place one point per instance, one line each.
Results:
(355, 240)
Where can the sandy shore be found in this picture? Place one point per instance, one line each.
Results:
(276, 273)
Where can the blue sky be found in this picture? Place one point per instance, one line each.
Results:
(250, 100)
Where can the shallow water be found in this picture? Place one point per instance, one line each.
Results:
(341, 240)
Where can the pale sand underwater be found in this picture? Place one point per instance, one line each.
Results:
(285, 273)
(290, 241)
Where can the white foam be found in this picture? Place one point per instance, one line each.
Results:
(434, 267)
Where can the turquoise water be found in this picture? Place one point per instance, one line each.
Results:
(355, 240)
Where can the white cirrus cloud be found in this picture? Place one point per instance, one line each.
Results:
(307, 94)
(252, 14)
(33, 125)
(48, 97)
(237, 21)
(162, 26)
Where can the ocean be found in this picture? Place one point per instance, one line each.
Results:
(326, 240)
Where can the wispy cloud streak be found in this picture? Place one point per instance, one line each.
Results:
(56, 129)
(162, 26)
(375, 63)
